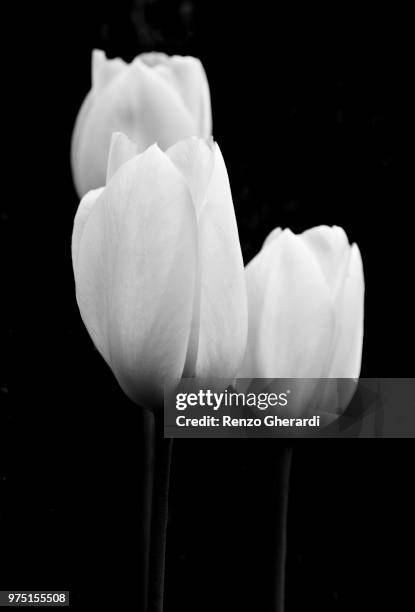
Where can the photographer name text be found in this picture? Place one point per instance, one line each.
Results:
(220, 401)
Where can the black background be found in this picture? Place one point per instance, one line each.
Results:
(310, 110)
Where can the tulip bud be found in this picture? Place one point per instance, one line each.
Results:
(158, 267)
(305, 309)
(155, 98)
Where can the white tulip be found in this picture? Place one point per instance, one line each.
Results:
(155, 98)
(305, 305)
(158, 267)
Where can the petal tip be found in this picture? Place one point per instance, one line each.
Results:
(122, 149)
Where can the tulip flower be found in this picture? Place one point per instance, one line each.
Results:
(158, 267)
(305, 305)
(155, 98)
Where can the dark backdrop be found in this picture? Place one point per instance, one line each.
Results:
(310, 110)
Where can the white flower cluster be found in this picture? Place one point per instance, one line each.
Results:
(160, 281)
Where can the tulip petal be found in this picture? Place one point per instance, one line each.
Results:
(139, 103)
(194, 88)
(272, 236)
(81, 217)
(100, 65)
(331, 248)
(205, 113)
(104, 69)
(154, 59)
(223, 302)
(162, 114)
(291, 316)
(121, 150)
(349, 299)
(188, 76)
(335, 396)
(195, 159)
(136, 274)
(82, 186)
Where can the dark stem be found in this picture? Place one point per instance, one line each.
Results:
(147, 472)
(281, 511)
(163, 449)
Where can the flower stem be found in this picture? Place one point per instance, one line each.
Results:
(162, 460)
(281, 511)
(147, 474)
